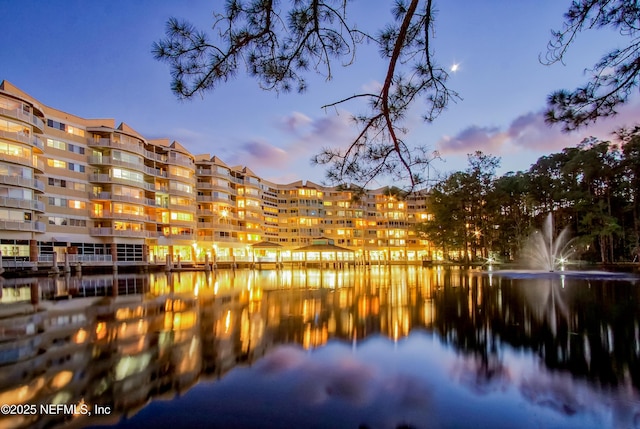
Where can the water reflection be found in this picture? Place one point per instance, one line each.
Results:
(430, 339)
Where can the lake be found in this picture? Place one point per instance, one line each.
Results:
(383, 347)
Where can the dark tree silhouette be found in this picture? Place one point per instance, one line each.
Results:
(612, 79)
(278, 42)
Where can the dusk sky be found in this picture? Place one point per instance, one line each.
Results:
(93, 59)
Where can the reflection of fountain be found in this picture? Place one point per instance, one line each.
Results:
(547, 302)
(544, 252)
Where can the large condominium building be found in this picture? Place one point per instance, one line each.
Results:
(105, 194)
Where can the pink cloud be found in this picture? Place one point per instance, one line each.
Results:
(258, 153)
(530, 132)
(294, 122)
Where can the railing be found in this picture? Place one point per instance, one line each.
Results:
(74, 258)
(106, 214)
(174, 191)
(23, 182)
(23, 116)
(100, 178)
(185, 162)
(122, 198)
(22, 226)
(127, 147)
(22, 263)
(35, 141)
(107, 160)
(101, 232)
(18, 136)
(22, 204)
(213, 198)
(191, 208)
(160, 157)
(221, 226)
(155, 171)
(23, 160)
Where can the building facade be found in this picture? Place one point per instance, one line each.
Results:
(87, 191)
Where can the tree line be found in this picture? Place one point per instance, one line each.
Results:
(593, 189)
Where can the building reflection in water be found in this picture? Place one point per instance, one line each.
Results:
(120, 340)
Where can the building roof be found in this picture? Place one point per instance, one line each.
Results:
(265, 245)
(323, 244)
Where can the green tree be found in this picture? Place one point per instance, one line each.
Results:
(630, 166)
(594, 169)
(510, 204)
(613, 78)
(446, 228)
(480, 174)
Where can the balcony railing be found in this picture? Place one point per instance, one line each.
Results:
(22, 182)
(22, 226)
(75, 258)
(105, 214)
(113, 232)
(23, 116)
(108, 196)
(22, 204)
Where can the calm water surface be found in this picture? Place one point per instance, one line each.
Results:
(378, 348)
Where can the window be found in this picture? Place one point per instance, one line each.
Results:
(14, 150)
(182, 216)
(64, 127)
(76, 149)
(79, 168)
(126, 157)
(59, 202)
(182, 187)
(74, 204)
(56, 163)
(120, 173)
(56, 144)
(56, 125)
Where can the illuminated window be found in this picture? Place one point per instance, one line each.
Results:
(57, 144)
(74, 204)
(56, 163)
(182, 216)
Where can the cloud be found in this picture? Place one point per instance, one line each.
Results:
(258, 152)
(530, 132)
(473, 138)
(294, 122)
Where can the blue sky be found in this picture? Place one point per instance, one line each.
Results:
(93, 59)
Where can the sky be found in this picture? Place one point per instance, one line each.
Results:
(93, 59)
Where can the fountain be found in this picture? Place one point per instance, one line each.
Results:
(544, 252)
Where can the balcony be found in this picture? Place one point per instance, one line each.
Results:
(27, 161)
(108, 196)
(220, 226)
(105, 214)
(105, 178)
(125, 146)
(159, 157)
(22, 226)
(179, 192)
(24, 117)
(155, 171)
(107, 160)
(185, 162)
(112, 232)
(22, 204)
(213, 198)
(22, 182)
(182, 223)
